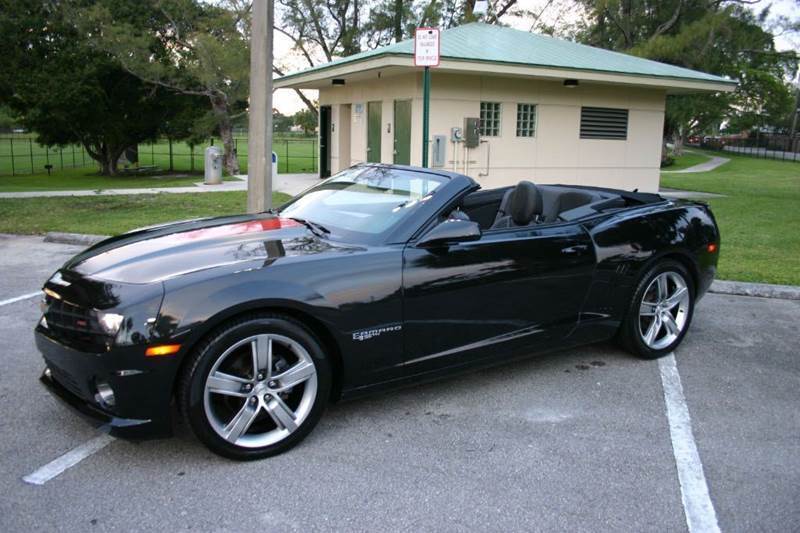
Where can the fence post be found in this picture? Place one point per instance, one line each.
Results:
(313, 155)
(287, 155)
(61, 157)
(171, 168)
(11, 140)
(30, 149)
(73, 156)
(191, 158)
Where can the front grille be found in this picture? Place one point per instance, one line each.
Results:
(75, 326)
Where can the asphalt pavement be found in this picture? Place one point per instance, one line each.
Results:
(577, 440)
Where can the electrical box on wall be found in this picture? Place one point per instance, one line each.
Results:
(439, 150)
(472, 135)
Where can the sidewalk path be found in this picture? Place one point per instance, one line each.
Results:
(291, 184)
(711, 164)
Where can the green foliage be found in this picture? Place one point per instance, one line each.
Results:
(68, 92)
(8, 120)
(717, 37)
(280, 122)
(306, 119)
(190, 47)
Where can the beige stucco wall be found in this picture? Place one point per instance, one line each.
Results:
(555, 155)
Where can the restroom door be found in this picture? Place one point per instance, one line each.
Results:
(402, 132)
(374, 132)
(325, 141)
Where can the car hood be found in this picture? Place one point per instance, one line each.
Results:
(162, 252)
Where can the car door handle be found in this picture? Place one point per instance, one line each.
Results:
(574, 250)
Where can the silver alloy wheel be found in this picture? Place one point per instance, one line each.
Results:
(263, 395)
(664, 310)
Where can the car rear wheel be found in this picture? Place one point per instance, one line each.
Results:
(660, 311)
(256, 387)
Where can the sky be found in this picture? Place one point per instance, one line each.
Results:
(552, 13)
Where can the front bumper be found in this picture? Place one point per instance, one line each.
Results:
(142, 391)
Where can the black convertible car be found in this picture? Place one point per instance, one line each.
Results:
(378, 276)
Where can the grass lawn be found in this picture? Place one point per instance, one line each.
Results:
(85, 178)
(759, 217)
(110, 215)
(688, 159)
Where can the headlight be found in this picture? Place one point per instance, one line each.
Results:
(110, 322)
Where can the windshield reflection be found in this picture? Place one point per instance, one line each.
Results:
(363, 201)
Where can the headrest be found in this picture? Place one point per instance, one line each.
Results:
(525, 203)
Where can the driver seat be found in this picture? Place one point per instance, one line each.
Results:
(520, 206)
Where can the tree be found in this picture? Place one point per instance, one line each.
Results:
(717, 36)
(67, 92)
(321, 32)
(280, 122)
(306, 119)
(186, 46)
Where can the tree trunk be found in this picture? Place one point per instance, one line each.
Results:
(677, 142)
(219, 104)
(104, 156)
(398, 20)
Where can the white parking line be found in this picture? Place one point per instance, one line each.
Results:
(68, 460)
(20, 298)
(697, 506)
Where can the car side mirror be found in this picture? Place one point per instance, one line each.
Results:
(451, 231)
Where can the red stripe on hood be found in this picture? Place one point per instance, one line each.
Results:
(229, 230)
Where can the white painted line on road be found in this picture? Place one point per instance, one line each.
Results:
(20, 298)
(697, 506)
(68, 460)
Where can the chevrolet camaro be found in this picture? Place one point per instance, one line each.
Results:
(249, 325)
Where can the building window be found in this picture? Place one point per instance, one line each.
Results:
(490, 119)
(526, 120)
(604, 123)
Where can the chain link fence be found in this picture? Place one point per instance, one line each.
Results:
(20, 154)
(762, 145)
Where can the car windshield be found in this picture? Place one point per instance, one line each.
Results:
(363, 201)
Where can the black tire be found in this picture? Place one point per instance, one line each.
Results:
(192, 386)
(630, 333)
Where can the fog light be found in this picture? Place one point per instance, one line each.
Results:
(47, 372)
(110, 322)
(105, 394)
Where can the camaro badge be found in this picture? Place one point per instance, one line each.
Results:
(369, 333)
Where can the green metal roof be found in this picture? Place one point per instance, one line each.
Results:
(498, 44)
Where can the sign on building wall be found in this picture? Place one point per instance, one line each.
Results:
(427, 47)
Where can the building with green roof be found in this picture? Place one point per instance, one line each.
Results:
(548, 110)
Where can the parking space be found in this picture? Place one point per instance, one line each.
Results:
(577, 440)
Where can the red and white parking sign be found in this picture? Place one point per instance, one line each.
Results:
(426, 47)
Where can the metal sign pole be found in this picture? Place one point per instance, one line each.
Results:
(426, 112)
(427, 50)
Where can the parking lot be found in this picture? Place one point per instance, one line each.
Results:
(576, 441)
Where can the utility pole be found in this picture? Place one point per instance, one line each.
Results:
(259, 141)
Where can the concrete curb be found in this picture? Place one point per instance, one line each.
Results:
(737, 288)
(74, 238)
(761, 290)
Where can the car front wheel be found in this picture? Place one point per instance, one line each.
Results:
(256, 387)
(660, 311)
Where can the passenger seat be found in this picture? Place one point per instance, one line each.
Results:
(520, 206)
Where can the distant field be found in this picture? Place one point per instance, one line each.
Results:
(22, 155)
